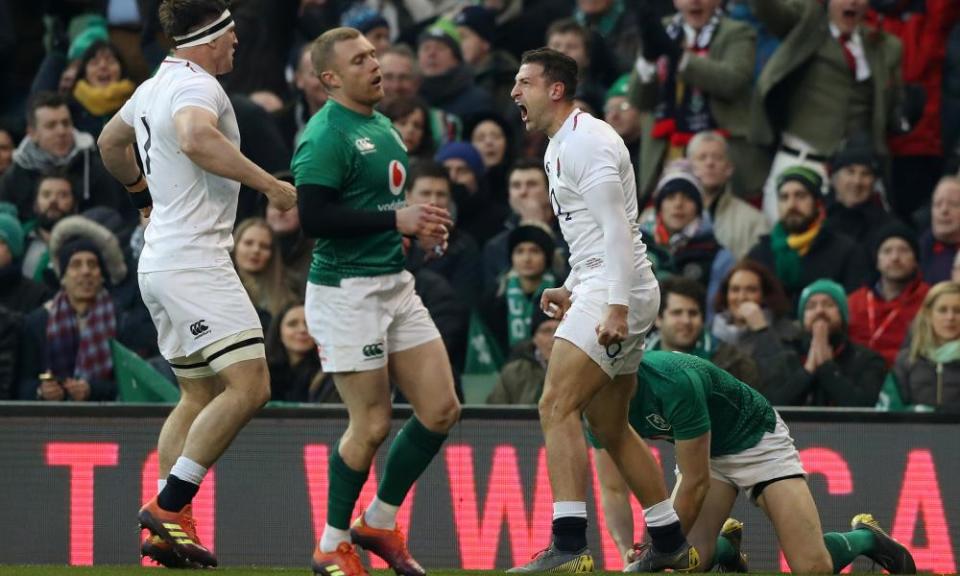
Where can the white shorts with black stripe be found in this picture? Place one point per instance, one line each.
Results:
(204, 318)
(589, 302)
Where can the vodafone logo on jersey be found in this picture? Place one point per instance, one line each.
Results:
(397, 175)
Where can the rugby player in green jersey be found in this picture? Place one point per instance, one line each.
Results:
(370, 326)
(728, 438)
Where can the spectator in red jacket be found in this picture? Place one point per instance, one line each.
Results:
(880, 315)
(923, 27)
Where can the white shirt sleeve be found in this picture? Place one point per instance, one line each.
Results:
(594, 161)
(127, 112)
(201, 91)
(605, 203)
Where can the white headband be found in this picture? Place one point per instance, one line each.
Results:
(208, 33)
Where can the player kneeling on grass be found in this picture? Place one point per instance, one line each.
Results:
(728, 438)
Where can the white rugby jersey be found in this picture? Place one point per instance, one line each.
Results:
(191, 225)
(587, 153)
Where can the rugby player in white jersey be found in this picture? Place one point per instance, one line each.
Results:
(607, 305)
(186, 132)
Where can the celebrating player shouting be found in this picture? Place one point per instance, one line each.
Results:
(370, 325)
(208, 330)
(607, 305)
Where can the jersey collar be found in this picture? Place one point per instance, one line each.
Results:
(568, 125)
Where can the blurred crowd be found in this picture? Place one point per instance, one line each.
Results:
(796, 161)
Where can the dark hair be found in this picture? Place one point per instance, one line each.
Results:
(54, 173)
(772, 294)
(557, 67)
(529, 164)
(427, 169)
(471, 123)
(681, 286)
(43, 99)
(276, 353)
(177, 17)
(91, 53)
(566, 26)
(397, 108)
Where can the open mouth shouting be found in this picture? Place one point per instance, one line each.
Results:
(523, 111)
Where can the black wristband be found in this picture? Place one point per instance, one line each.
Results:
(135, 182)
(141, 199)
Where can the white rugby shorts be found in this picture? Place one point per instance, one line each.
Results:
(196, 310)
(358, 324)
(579, 326)
(774, 456)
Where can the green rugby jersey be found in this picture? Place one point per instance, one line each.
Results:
(680, 397)
(364, 158)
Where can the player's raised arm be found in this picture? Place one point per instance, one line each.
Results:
(208, 148)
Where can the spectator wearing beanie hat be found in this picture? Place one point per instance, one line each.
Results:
(800, 249)
(507, 311)
(476, 213)
(828, 369)
(447, 81)
(69, 336)
(880, 315)
(370, 23)
(463, 163)
(522, 376)
(493, 70)
(854, 208)
(17, 293)
(680, 241)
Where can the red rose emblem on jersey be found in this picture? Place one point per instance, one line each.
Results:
(397, 175)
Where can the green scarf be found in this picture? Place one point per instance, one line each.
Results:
(949, 352)
(520, 307)
(786, 259)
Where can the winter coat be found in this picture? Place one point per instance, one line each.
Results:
(770, 348)
(924, 383)
(882, 325)
(831, 256)
(21, 294)
(521, 378)
(32, 360)
(92, 184)
(936, 258)
(853, 378)
(10, 326)
(736, 224)
(857, 223)
(924, 38)
(456, 93)
(458, 265)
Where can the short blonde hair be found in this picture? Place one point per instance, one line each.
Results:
(321, 52)
(924, 341)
